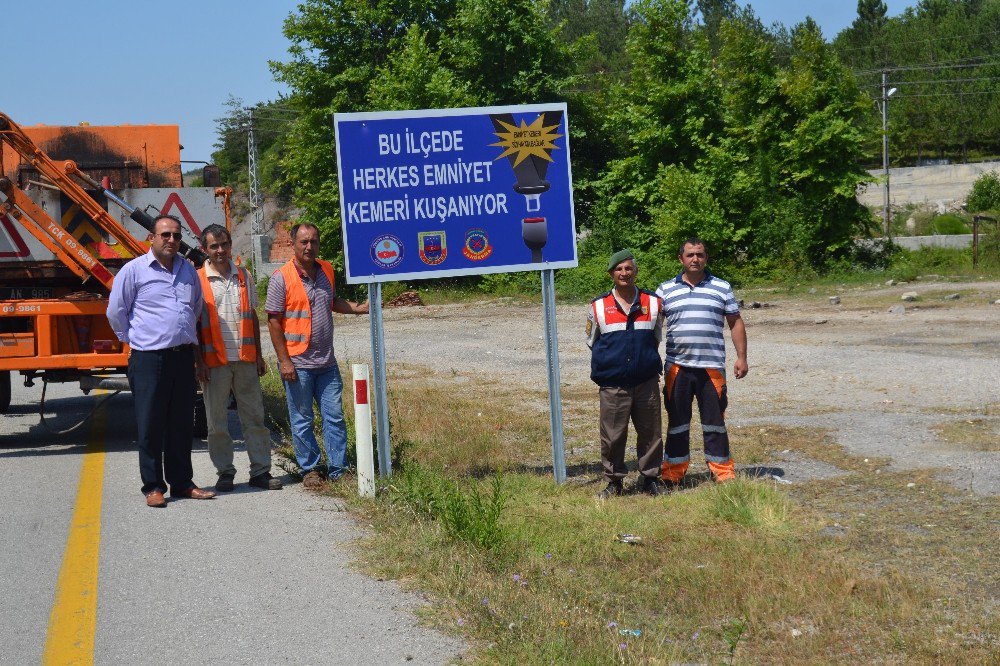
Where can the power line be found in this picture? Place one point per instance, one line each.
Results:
(949, 94)
(929, 66)
(905, 82)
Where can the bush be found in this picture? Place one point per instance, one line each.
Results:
(750, 504)
(466, 515)
(949, 224)
(907, 265)
(262, 292)
(985, 194)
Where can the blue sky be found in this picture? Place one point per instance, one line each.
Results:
(112, 62)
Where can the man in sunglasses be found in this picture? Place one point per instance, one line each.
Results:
(154, 307)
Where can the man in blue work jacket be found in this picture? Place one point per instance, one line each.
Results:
(624, 329)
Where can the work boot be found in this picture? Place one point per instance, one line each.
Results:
(613, 489)
(653, 486)
(312, 480)
(225, 483)
(265, 482)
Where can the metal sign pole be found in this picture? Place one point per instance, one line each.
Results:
(552, 356)
(378, 369)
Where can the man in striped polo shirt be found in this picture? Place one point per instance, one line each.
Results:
(697, 305)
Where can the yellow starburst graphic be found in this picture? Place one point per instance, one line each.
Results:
(534, 139)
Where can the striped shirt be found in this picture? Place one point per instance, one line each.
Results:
(226, 291)
(695, 321)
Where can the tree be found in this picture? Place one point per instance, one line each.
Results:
(871, 14)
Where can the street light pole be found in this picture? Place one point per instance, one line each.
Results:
(886, 94)
(885, 154)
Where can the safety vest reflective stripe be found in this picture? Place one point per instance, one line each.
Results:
(611, 319)
(213, 346)
(679, 429)
(711, 428)
(297, 323)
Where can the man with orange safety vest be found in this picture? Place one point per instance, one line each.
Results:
(301, 300)
(697, 305)
(624, 328)
(229, 333)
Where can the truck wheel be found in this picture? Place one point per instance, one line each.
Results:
(4, 392)
(200, 417)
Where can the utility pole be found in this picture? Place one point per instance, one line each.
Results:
(885, 153)
(256, 208)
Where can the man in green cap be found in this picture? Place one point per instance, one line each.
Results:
(624, 329)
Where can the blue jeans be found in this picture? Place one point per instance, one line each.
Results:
(325, 387)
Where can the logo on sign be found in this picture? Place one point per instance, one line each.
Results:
(387, 251)
(477, 245)
(433, 249)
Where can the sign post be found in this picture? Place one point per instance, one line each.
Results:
(378, 363)
(448, 192)
(552, 358)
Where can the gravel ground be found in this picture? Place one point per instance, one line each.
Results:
(878, 381)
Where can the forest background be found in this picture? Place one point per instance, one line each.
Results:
(686, 118)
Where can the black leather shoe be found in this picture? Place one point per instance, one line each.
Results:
(225, 483)
(265, 482)
(613, 489)
(653, 487)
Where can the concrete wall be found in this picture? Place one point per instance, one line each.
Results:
(944, 185)
(959, 241)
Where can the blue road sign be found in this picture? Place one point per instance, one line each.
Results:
(446, 192)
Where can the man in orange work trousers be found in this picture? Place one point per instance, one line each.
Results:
(696, 305)
(229, 332)
(624, 328)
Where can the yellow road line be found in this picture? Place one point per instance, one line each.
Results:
(70, 637)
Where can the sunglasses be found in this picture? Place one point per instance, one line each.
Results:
(167, 235)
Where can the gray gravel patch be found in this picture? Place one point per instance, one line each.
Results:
(875, 380)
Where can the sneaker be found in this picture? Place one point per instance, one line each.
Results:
(225, 483)
(312, 480)
(613, 489)
(266, 482)
(653, 487)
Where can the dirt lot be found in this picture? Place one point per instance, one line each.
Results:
(921, 388)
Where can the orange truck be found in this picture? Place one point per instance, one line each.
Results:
(77, 203)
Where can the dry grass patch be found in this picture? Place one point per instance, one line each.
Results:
(564, 590)
(972, 434)
(858, 569)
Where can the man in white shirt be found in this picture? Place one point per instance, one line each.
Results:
(229, 332)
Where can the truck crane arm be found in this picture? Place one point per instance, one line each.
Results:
(61, 174)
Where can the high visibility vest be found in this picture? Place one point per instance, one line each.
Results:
(626, 351)
(213, 346)
(297, 323)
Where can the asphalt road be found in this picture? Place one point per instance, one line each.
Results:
(251, 577)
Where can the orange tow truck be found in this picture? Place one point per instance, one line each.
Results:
(74, 202)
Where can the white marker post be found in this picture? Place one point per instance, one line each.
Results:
(363, 432)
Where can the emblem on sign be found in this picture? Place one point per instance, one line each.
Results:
(433, 249)
(387, 251)
(477, 245)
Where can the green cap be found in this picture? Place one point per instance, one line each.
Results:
(618, 257)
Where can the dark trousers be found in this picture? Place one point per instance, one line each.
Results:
(163, 387)
(641, 405)
(708, 387)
